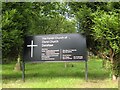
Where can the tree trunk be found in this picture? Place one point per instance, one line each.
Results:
(68, 65)
(114, 77)
(18, 64)
(65, 64)
(113, 71)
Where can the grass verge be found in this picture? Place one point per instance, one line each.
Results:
(55, 75)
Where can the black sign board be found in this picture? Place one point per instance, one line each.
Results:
(58, 47)
(54, 48)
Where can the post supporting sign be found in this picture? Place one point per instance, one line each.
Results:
(54, 48)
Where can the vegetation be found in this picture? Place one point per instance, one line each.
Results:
(21, 19)
(55, 75)
(98, 21)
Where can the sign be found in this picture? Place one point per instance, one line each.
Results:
(55, 47)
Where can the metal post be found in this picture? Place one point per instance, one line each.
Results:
(23, 71)
(86, 71)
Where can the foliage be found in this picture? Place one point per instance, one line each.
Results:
(106, 29)
(107, 33)
(11, 37)
(99, 21)
(26, 18)
(14, 25)
(51, 20)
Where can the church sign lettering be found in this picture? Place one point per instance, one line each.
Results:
(58, 47)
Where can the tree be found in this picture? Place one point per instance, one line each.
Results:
(14, 25)
(99, 21)
(107, 33)
(52, 20)
(27, 18)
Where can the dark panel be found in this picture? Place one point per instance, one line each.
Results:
(57, 47)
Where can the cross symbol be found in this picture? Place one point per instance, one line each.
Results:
(32, 46)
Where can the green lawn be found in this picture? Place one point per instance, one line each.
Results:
(55, 75)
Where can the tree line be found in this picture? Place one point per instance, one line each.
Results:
(98, 21)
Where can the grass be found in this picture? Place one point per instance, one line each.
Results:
(55, 75)
(0, 76)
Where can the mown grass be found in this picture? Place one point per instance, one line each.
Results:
(0, 76)
(55, 75)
